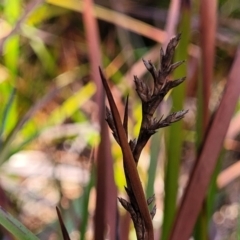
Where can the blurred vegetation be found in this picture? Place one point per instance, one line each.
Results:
(49, 118)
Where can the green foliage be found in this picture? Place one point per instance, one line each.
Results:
(175, 135)
(15, 227)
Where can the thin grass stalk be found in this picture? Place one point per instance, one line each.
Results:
(171, 25)
(200, 231)
(92, 37)
(208, 12)
(175, 135)
(86, 198)
(154, 152)
(6, 112)
(94, 49)
(101, 187)
(207, 36)
(106, 205)
(11, 60)
(16, 28)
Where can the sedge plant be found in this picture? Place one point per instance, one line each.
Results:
(138, 205)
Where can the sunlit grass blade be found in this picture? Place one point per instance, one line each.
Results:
(59, 114)
(38, 46)
(43, 13)
(11, 60)
(16, 27)
(12, 13)
(44, 55)
(175, 132)
(71, 105)
(16, 228)
(94, 50)
(12, 115)
(6, 111)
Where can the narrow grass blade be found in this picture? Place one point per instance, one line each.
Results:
(201, 230)
(16, 228)
(44, 55)
(11, 58)
(154, 152)
(208, 11)
(207, 36)
(206, 162)
(6, 111)
(175, 134)
(86, 197)
(28, 9)
(94, 48)
(12, 13)
(63, 228)
(106, 204)
(71, 105)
